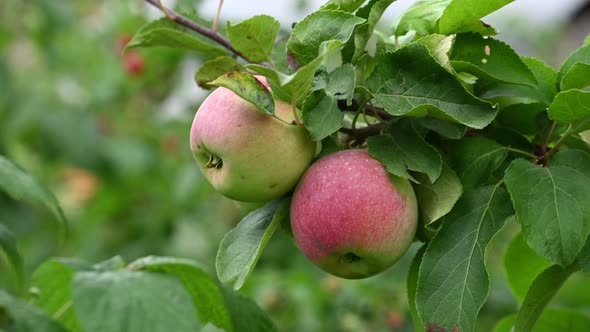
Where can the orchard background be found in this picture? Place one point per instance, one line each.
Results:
(95, 167)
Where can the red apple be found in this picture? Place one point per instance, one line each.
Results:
(133, 63)
(352, 218)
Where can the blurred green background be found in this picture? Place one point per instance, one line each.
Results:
(108, 134)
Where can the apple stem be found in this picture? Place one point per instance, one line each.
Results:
(549, 135)
(356, 116)
(295, 114)
(377, 115)
(283, 121)
(547, 156)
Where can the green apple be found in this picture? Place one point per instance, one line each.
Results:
(245, 154)
(352, 218)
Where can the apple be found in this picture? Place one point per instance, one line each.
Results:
(352, 218)
(133, 62)
(245, 154)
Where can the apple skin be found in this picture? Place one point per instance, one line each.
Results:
(352, 218)
(258, 156)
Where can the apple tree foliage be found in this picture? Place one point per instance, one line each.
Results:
(487, 137)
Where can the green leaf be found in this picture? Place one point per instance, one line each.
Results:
(8, 245)
(571, 106)
(580, 161)
(132, 301)
(453, 283)
(581, 55)
(271, 74)
(296, 86)
(321, 115)
(25, 317)
(412, 285)
(576, 159)
(279, 55)
(372, 12)
(53, 293)
(576, 141)
(551, 320)
(446, 17)
(321, 26)
(440, 47)
(544, 91)
(241, 247)
(446, 129)
(491, 59)
(524, 118)
(510, 139)
(112, 264)
(249, 88)
(345, 5)
(365, 66)
(342, 82)
(578, 77)
(212, 69)
(400, 148)
(23, 187)
(584, 258)
(437, 199)
(245, 313)
(539, 294)
(552, 207)
(522, 266)
(505, 325)
(462, 14)
(411, 82)
(421, 17)
(166, 33)
(206, 295)
(254, 37)
(475, 159)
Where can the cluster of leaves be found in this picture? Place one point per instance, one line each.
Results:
(482, 132)
(72, 295)
(486, 136)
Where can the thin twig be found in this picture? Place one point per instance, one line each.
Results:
(186, 22)
(359, 135)
(163, 8)
(370, 110)
(548, 139)
(547, 156)
(216, 21)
